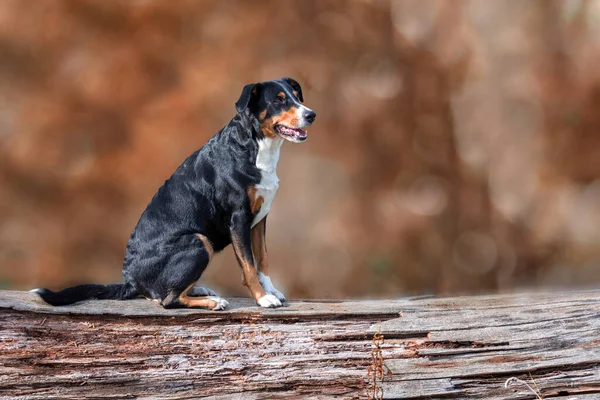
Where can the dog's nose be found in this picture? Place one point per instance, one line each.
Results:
(310, 116)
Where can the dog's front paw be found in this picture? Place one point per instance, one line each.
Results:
(269, 301)
(277, 294)
(267, 285)
(222, 304)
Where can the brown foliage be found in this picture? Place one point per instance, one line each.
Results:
(456, 146)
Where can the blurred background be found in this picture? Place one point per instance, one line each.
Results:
(456, 147)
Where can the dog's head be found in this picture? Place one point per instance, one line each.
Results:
(277, 107)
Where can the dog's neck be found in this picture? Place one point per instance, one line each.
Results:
(268, 148)
(249, 120)
(268, 154)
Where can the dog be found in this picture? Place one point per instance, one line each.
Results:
(220, 195)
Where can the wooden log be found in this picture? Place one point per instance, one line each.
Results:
(452, 348)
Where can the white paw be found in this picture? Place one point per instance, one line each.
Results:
(198, 291)
(221, 303)
(279, 295)
(269, 301)
(266, 283)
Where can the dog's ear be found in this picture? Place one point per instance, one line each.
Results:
(249, 93)
(296, 86)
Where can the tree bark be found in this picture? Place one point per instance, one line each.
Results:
(452, 348)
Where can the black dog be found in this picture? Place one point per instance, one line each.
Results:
(220, 195)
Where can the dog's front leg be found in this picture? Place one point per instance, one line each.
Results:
(242, 246)
(259, 248)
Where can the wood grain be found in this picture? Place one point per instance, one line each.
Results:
(453, 348)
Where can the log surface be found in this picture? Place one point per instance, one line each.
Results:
(436, 348)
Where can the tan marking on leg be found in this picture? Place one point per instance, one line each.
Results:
(198, 302)
(201, 302)
(256, 201)
(259, 247)
(207, 246)
(250, 277)
(183, 297)
(185, 292)
(252, 283)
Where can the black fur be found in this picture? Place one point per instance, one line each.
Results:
(296, 86)
(120, 291)
(207, 195)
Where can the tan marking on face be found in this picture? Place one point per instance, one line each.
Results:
(256, 201)
(207, 245)
(281, 95)
(267, 128)
(288, 118)
(259, 246)
(295, 93)
(262, 115)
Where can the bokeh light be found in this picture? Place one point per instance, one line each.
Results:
(456, 148)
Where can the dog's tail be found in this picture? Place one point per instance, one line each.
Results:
(119, 291)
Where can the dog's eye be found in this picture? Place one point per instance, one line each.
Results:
(278, 100)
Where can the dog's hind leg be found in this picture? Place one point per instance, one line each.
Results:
(210, 302)
(182, 272)
(183, 299)
(197, 291)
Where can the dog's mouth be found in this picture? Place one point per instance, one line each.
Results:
(292, 134)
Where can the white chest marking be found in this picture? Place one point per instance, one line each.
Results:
(266, 161)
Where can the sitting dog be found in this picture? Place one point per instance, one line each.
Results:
(221, 194)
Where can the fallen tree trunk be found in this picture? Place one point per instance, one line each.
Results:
(454, 348)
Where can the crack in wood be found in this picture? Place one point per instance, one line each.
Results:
(362, 336)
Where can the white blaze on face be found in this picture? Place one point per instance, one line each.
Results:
(266, 162)
(301, 111)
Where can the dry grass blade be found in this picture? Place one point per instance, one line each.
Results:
(516, 381)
